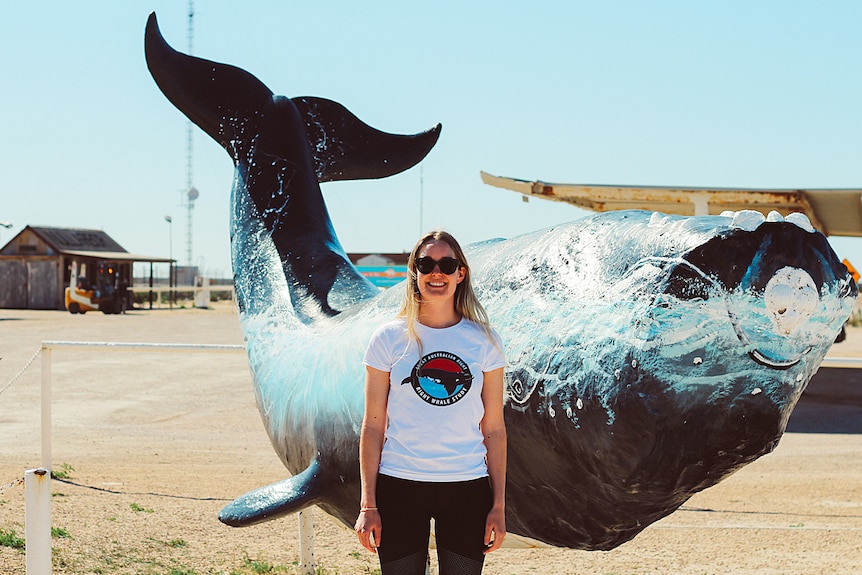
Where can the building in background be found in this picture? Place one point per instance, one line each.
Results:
(384, 270)
(36, 265)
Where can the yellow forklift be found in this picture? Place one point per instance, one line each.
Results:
(103, 292)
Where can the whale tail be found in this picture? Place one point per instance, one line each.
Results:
(225, 102)
(282, 149)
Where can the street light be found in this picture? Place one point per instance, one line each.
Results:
(6, 225)
(170, 235)
(171, 257)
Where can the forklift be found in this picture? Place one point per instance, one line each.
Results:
(106, 294)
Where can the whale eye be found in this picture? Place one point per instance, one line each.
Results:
(791, 298)
(517, 387)
(521, 386)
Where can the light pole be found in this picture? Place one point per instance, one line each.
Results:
(171, 257)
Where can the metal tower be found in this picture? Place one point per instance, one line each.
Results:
(191, 193)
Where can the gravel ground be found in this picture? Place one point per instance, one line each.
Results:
(154, 443)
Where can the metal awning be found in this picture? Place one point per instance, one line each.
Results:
(117, 256)
(835, 212)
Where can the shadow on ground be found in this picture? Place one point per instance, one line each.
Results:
(832, 403)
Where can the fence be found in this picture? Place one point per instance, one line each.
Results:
(200, 294)
(38, 481)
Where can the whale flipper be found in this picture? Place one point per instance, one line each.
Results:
(282, 498)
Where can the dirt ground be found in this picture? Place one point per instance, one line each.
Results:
(154, 443)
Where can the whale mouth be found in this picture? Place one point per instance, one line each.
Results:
(767, 361)
(761, 353)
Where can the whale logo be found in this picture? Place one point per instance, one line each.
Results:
(440, 378)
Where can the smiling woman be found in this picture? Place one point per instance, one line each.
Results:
(435, 371)
(437, 280)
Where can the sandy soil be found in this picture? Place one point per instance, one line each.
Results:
(160, 441)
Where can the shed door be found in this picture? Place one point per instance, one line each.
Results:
(13, 284)
(42, 285)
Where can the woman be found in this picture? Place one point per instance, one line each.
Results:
(433, 440)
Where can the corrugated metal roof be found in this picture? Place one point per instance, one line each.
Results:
(80, 242)
(68, 239)
(397, 259)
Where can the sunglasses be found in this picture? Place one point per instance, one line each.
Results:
(448, 266)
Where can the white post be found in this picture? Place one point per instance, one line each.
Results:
(46, 407)
(37, 521)
(202, 294)
(701, 204)
(306, 543)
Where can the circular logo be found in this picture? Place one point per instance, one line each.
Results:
(440, 378)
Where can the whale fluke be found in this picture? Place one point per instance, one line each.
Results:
(229, 104)
(282, 149)
(346, 148)
(281, 498)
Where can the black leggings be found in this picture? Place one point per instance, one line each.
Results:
(459, 510)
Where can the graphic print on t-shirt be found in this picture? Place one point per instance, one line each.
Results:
(440, 378)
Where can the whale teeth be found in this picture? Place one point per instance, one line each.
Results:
(801, 220)
(748, 220)
(774, 217)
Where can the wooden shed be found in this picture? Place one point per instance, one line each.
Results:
(35, 265)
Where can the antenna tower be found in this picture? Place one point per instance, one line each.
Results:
(191, 193)
(421, 199)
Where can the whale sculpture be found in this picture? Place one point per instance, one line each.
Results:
(650, 355)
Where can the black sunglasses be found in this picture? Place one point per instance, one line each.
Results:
(447, 266)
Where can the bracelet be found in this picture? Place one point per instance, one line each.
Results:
(364, 509)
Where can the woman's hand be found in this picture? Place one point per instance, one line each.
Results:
(369, 527)
(495, 530)
(494, 430)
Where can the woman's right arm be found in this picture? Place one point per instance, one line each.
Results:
(368, 525)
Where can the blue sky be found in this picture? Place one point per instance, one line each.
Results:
(732, 93)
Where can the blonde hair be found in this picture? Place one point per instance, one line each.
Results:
(467, 305)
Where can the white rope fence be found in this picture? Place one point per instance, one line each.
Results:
(37, 482)
(20, 373)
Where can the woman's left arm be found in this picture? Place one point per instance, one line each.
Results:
(494, 431)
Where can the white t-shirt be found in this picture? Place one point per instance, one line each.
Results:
(435, 402)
